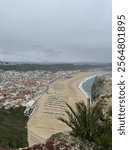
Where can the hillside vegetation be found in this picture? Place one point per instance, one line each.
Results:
(13, 131)
(54, 67)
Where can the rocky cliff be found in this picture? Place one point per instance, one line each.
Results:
(61, 141)
(102, 91)
(102, 86)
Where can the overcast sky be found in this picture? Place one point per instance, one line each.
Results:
(55, 30)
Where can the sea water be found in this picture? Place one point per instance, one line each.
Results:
(86, 85)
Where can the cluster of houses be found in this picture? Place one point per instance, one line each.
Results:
(17, 88)
(23, 88)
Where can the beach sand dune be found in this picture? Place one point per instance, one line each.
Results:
(43, 122)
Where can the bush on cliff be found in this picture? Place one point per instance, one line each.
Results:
(87, 123)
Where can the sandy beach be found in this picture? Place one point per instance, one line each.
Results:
(43, 122)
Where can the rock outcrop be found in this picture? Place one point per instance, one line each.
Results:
(102, 86)
(60, 141)
(102, 91)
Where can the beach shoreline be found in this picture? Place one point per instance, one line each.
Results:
(81, 84)
(43, 122)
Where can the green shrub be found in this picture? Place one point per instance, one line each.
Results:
(13, 131)
(87, 124)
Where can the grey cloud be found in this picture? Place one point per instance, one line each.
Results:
(70, 30)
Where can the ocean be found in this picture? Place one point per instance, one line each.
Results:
(86, 85)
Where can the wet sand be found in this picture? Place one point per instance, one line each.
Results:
(43, 122)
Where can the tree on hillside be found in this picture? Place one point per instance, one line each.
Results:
(86, 123)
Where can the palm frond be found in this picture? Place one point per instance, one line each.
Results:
(73, 112)
(66, 122)
(83, 120)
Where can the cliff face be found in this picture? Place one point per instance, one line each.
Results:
(102, 91)
(102, 86)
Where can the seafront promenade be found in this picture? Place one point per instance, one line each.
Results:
(43, 122)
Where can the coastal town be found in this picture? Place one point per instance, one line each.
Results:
(25, 88)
